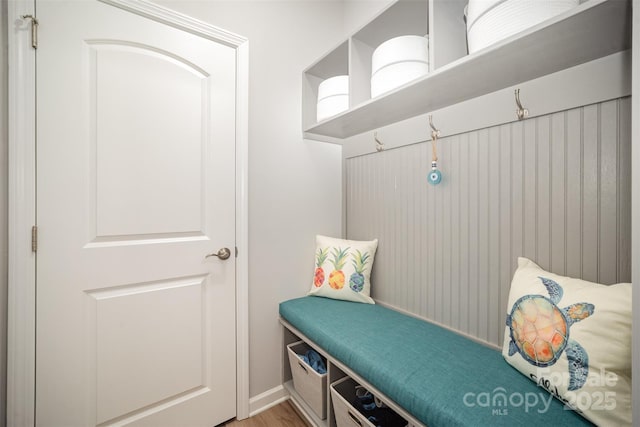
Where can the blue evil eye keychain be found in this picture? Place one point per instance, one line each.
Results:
(435, 176)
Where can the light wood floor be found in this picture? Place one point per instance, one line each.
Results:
(282, 415)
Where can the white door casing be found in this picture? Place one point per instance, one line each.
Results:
(145, 237)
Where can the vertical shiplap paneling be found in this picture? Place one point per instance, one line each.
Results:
(455, 264)
(379, 275)
(431, 254)
(446, 151)
(473, 189)
(558, 193)
(438, 255)
(530, 190)
(404, 238)
(484, 191)
(517, 192)
(388, 245)
(382, 195)
(493, 229)
(399, 233)
(624, 190)
(556, 189)
(392, 235)
(505, 224)
(424, 161)
(406, 188)
(396, 228)
(464, 246)
(590, 191)
(608, 194)
(543, 192)
(574, 193)
(414, 227)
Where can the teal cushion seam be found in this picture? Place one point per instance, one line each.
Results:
(438, 376)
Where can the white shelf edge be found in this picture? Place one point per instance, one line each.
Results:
(614, 83)
(403, 103)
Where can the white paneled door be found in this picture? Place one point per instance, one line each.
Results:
(135, 186)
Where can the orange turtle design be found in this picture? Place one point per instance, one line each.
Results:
(540, 331)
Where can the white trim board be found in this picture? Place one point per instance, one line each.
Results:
(21, 350)
(21, 217)
(242, 230)
(596, 81)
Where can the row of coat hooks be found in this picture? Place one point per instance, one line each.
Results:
(521, 114)
(435, 176)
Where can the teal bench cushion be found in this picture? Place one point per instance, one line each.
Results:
(438, 376)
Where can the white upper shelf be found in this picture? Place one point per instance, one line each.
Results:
(590, 31)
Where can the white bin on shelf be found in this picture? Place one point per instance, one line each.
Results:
(309, 384)
(398, 61)
(333, 97)
(489, 21)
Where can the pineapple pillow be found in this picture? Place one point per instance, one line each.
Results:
(343, 269)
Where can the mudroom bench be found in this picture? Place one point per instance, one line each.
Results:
(429, 375)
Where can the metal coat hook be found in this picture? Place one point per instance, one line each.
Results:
(34, 29)
(379, 144)
(435, 133)
(521, 112)
(435, 176)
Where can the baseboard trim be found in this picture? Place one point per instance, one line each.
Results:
(268, 399)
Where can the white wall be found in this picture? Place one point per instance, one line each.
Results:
(359, 12)
(294, 185)
(3, 209)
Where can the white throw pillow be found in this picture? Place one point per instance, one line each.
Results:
(343, 269)
(573, 338)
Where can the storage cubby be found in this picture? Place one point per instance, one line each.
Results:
(334, 63)
(400, 19)
(590, 31)
(305, 401)
(448, 32)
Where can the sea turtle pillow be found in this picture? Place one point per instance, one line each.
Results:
(573, 338)
(343, 269)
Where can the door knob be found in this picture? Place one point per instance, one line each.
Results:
(222, 254)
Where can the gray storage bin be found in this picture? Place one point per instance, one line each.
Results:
(346, 414)
(309, 384)
(342, 393)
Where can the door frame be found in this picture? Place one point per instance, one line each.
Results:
(21, 301)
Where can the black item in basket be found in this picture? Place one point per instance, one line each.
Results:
(378, 416)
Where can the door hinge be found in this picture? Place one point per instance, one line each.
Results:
(34, 29)
(34, 238)
(236, 252)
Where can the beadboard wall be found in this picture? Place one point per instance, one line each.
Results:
(555, 189)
